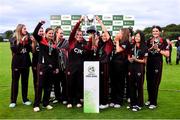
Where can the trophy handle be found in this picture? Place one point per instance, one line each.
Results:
(85, 24)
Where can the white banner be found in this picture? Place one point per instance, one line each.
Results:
(118, 23)
(107, 17)
(128, 17)
(66, 27)
(91, 86)
(55, 22)
(65, 17)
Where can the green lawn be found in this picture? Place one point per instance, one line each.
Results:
(168, 100)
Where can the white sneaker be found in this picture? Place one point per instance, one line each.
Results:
(152, 107)
(69, 106)
(49, 107)
(36, 109)
(128, 100)
(27, 103)
(147, 103)
(103, 106)
(55, 101)
(12, 105)
(117, 106)
(111, 104)
(128, 107)
(64, 102)
(134, 109)
(78, 105)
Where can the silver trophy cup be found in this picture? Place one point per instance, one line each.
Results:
(91, 20)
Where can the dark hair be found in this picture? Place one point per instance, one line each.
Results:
(48, 29)
(131, 30)
(98, 33)
(142, 37)
(158, 27)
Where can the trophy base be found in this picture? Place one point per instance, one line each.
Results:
(91, 29)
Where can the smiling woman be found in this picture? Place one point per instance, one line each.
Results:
(157, 47)
(20, 48)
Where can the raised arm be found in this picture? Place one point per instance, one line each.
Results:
(73, 32)
(103, 27)
(35, 33)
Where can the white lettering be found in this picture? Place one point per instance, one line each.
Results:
(78, 51)
(23, 50)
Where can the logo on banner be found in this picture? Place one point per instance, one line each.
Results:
(91, 72)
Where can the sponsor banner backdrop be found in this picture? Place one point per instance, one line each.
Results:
(113, 23)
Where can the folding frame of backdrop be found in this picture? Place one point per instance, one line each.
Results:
(113, 23)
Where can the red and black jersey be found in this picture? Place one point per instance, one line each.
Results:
(121, 56)
(77, 55)
(20, 53)
(139, 52)
(78, 50)
(48, 54)
(104, 50)
(162, 45)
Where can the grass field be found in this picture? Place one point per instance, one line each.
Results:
(168, 99)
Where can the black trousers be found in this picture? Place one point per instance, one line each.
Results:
(74, 85)
(118, 74)
(136, 81)
(177, 57)
(59, 83)
(44, 82)
(34, 71)
(154, 73)
(127, 89)
(16, 73)
(104, 83)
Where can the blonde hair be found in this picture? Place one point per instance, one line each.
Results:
(18, 32)
(55, 31)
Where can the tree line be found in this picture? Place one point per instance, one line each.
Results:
(171, 31)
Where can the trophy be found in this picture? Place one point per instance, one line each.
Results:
(91, 20)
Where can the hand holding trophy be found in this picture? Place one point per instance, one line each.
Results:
(91, 20)
(90, 28)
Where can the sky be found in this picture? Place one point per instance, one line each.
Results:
(29, 12)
